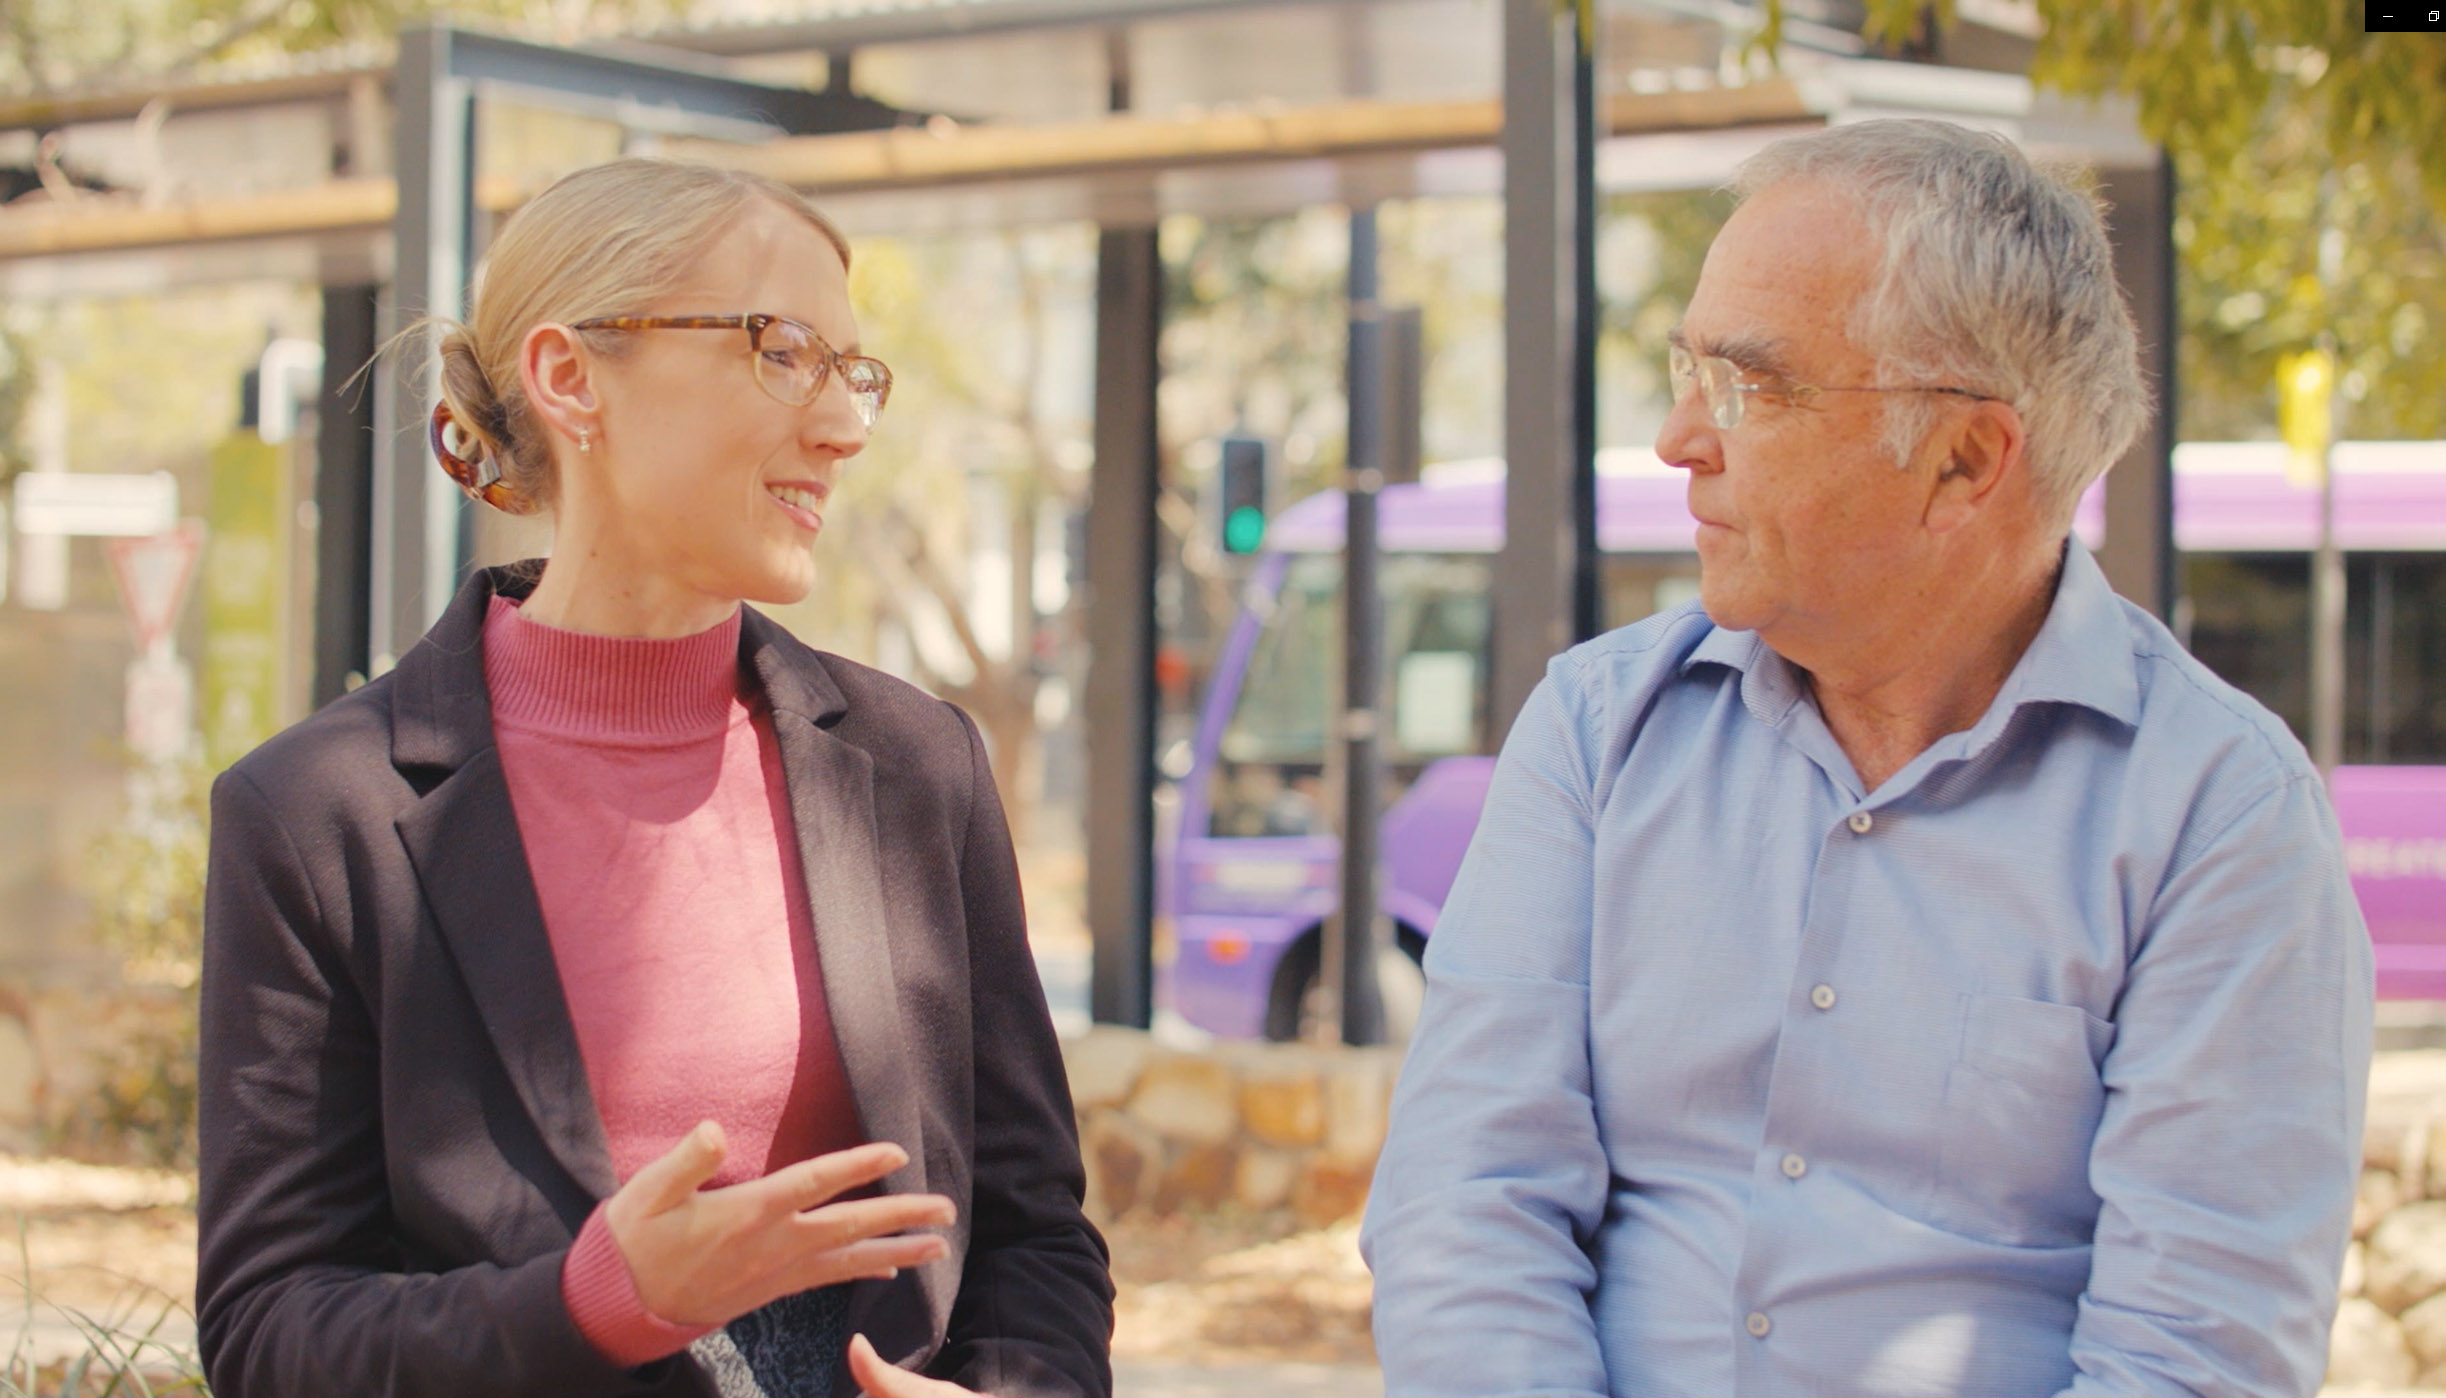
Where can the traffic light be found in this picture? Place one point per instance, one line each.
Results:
(1241, 472)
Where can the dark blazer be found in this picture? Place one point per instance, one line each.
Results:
(398, 1140)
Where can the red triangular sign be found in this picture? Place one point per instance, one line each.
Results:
(154, 575)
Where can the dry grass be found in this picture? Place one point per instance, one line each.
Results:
(1227, 1289)
(117, 1245)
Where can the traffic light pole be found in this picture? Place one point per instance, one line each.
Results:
(1351, 937)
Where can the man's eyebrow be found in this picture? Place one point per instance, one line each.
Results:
(1758, 353)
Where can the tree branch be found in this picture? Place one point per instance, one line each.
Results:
(930, 576)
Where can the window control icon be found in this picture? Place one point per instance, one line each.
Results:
(2403, 17)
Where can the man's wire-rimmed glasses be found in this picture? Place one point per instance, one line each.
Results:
(792, 363)
(1720, 381)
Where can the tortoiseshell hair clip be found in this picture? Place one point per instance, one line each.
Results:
(479, 476)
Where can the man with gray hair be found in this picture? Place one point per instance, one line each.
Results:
(1904, 971)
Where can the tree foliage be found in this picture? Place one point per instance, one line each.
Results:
(2288, 127)
(51, 46)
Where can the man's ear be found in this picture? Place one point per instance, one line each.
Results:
(558, 375)
(1977, 454)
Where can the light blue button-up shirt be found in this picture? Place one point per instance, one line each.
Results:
(2038, 1069)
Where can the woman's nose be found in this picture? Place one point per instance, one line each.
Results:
(834, 422)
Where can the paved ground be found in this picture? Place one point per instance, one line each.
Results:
(1147, 1379)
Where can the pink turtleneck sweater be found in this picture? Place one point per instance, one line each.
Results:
(649, 796)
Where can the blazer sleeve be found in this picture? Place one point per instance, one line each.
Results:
(301, 1284)
(1034, 1314)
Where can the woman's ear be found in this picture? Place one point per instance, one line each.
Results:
(557, 372)
(1987, 446)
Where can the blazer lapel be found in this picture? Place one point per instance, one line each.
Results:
(832, 803)
(462, 837)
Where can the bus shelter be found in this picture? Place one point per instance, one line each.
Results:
(1119, 113)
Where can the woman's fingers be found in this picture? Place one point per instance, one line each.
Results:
(876, 1259)
(797, 1188)
(839, 1225)
(666, 1182)
(881, 1380)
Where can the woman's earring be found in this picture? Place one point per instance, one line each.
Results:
(586, 441)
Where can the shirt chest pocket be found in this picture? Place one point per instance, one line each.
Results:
(2022, 1103)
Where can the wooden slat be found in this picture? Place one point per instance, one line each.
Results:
(105, 223)
(69, 108)
(910, 157)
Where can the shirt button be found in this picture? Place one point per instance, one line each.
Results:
(1795, 1167)
(1758, 1325)
(1860, 822)
(1823, 997)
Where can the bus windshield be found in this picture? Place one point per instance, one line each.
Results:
(1436, 612)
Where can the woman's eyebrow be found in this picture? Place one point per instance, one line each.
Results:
(852, 348)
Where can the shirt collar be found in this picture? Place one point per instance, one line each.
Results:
(2083, 652)
(2082, 655)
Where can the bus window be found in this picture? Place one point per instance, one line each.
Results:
(1270, 776)
(2250, 622)
(2395, 657)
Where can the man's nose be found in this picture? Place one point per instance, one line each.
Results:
(1688, 439)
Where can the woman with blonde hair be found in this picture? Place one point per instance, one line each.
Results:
(619, 997)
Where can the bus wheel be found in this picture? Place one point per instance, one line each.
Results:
(1298, 1010)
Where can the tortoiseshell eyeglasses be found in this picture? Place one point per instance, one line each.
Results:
(792, 363)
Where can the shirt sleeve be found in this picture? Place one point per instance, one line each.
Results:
(2227, 1154)
(1493, 1180)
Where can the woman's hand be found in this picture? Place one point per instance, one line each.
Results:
(708, 1256)
(881, 1380)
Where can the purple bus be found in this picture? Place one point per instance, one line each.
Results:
(1248, 875)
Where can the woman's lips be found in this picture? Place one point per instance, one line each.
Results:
(802, 503)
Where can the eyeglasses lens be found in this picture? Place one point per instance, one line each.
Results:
(789, 364)
(1713, 378)
(870, 386)
(792, 365)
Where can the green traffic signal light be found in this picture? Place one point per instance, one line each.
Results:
(1243, 530)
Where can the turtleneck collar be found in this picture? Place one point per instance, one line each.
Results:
(610, 689)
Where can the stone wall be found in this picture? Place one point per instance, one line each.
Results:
(1263, 1127)
(1258, 1127)
(2391, 1326)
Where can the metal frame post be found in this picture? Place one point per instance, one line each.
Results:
(1120, 699)
(416, 512)
(343, 491)
(1549, 482)
(1587, 581)
(2138, 555)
